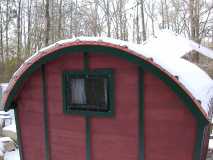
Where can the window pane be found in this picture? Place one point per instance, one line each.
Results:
(78, 91)
(88, 94)
(96, 93)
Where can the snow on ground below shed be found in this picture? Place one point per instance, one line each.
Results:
(14, 155)
(3, 86)
(211, 144)
(166, 50)
(5, 139)
(11, 127)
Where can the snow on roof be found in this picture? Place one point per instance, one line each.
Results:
(166, 50)
(170, 44)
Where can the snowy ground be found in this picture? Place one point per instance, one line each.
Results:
(14, 155)
(9, 126)
(211, 144)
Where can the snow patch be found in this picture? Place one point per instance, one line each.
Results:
(5, 139)
(211, 144)
(4, 86)
(11, 127)
(14, 155)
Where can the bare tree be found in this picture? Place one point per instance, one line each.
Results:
(7, 28)
(47, 18)
(1, 36)
(59, 19)
(137, 25)
(108, 18)
(19, 30)
(150, 11)
(29, 7)
(143, 20)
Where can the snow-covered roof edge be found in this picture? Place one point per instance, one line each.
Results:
(159, 60)
(180, 44)
(167, 49)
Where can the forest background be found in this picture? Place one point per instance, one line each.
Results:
(28, 25)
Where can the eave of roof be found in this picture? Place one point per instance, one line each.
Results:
(25, 70)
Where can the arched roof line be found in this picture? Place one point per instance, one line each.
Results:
(45, 56)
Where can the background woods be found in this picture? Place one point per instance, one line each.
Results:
(28, 25)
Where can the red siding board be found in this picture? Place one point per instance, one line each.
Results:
(170, 129)
(107, 127)
(66, 132)
(117, 137)
(62, 122)
(31, 118)
(115, 147)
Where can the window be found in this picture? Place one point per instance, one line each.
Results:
(90, 93)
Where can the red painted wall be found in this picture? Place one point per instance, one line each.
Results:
(205, 143)
(66, 132)
(169, 127)
(117, 138)
(108, 135)
(31, 118)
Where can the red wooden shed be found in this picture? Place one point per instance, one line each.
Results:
(101, 99)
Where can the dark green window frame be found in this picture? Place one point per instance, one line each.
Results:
(100, 73)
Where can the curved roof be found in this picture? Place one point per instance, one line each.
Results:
(175, 72)
(167, 50)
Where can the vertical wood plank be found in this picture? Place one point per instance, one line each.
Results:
(141, 114)
(18, 130)
(87, 118)
(45, 113)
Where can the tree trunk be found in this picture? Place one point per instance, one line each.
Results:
(47, 18)
(53, 21)
(162, 14)
(95, 20)
(194, 26)
(71, 20)
(143, 21)
(59, 20)
(116, 20)
(1, 37)
(167, 14)
(7, 28)
(108, 20)
(121, 19)
(29, 6)
(192, 21)
(137, 26)
(75, 21)
(19, 32)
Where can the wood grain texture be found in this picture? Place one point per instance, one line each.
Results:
(170, 129)
(66, 132)
(117, 137)
(205, 143)
(31, 118)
